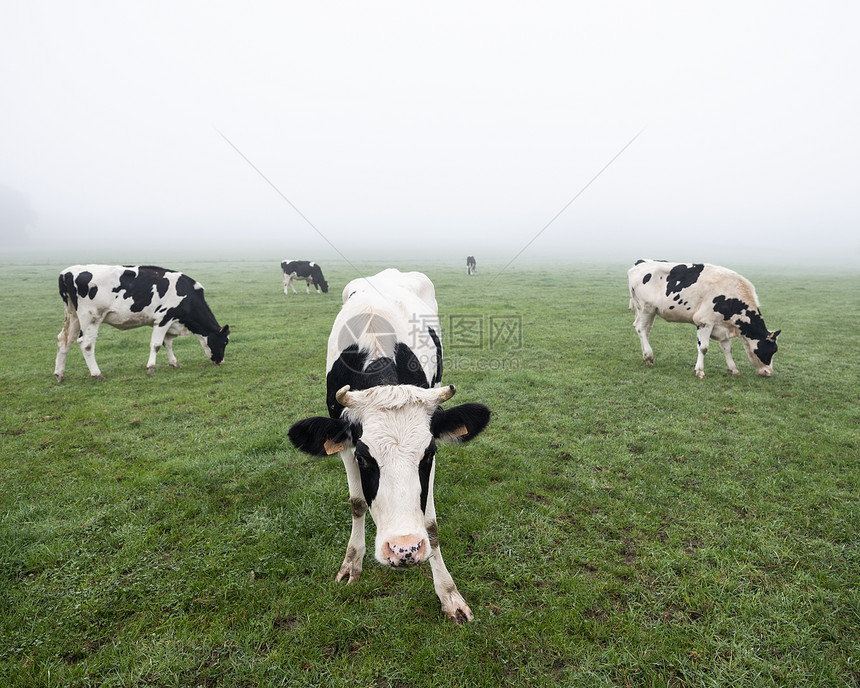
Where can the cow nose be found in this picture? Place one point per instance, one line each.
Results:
(404, 551)
(766, 372)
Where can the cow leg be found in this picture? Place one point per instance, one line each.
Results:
(453, 604)
(168, 347)
(68, 335)
(286, 285)
(89, 332)
(351, 568)
(725, 342)
(155, 342)
(643, 323)
(308, 285)
(293, 286)
(703, 337)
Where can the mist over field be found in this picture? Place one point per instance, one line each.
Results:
(387, 130)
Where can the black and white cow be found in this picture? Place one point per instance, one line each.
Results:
(305, 270)
(383, 370)
(129, 296)
(718, 301)
(470, 265)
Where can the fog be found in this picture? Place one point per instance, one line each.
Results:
(723, 133)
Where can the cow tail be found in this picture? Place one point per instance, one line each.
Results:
(71, 322)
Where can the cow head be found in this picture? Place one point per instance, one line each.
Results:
(215, 344)
(387, 436)
(761, 351)
(323, 285)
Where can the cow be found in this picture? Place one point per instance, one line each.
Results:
(470, 265)
(129, 296)
(305, 270)
(718, 301)
(383, 393)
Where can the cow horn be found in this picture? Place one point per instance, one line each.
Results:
(343, 396)
(446, 393)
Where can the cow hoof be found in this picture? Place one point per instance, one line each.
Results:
(99, 377)
(172, 365)
(458, 611)
(348, 573)
(700, 374)
(150, 370)
(735, 372)
(59, 377)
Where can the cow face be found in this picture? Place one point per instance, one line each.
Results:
(761, 351)
(323, 285)
(215, 344)
(387, 439)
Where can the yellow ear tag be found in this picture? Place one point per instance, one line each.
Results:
(459, 432)
(332, 447)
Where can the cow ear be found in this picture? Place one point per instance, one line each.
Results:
(225, 330)
(460, 423)
(321, 436)
(774, 335)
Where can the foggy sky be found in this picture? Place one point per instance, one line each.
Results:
(131, 130)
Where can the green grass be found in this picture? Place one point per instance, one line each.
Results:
(615, 525)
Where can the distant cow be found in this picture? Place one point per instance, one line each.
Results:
(720, 302)
(470, 265)
(132, 296)
(383, 370)
(305, 270)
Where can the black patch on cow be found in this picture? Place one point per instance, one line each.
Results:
(765, 349)
(437, 377)
(729, 308)
(67, 288)
(424, 468)
(369, 470)
(682, 276)
(137, 285)
(647, 278)
(192, 310)
(72, 287)
(753, 328)
(346, 370)
(409, 370)
(352, 368)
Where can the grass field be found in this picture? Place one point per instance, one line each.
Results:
(615, 525)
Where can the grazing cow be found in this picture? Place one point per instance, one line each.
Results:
(470, 265)
(129, 296)
(383, 370)
(305, 270)
(718, 301)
